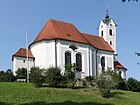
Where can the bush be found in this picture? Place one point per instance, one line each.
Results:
(36, 76)
(119, 83)
(21, 73)
(133, 85)
(53, 76)
(70, 75)
(105, 83)
(7, 76)
(90, 81)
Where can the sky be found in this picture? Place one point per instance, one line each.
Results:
(20, 16)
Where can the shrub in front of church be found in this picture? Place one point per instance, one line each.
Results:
(53, 76)
(119, 83)
(21, 73)
(90, 81)
(105, 83)
(36, 76)
(70, 75)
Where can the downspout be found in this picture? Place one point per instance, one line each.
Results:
(96, 64)
(55, 52)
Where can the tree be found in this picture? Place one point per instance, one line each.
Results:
(53, 76)
(105, 83)
(36, 76)
(21, 73)
(129, 0)
(7, 76)
(69, 75)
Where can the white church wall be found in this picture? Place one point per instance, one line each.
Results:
(83, 49)
(44, 53)
(19, 62)
(109, 60)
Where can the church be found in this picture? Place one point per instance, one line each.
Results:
(60, 43)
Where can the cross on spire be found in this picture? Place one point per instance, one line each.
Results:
(107, 16)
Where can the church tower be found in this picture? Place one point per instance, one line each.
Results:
(107, 30)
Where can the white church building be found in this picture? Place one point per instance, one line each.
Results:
(60, 43)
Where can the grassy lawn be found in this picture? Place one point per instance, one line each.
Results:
(25, 94)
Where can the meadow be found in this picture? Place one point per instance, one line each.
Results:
(25, 94)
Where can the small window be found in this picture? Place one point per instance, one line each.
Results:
(73, 47)
(110, 32)
(110, 42)
(110, 24)
(102, 33)
(23, 61)
(68, 35)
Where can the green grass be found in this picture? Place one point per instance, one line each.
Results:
(26, 94)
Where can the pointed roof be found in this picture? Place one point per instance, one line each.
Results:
(22, 53)
(98, 42)
(118, 65)
(55, 29)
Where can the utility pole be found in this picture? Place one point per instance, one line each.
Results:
(27, 55)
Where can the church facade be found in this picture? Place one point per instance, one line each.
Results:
(60, 43)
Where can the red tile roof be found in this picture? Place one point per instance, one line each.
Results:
(60, 30)
(98, 42)
(22, 53)
(118, 65)
(55, 29)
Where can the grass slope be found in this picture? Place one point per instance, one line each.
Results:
(25, 94)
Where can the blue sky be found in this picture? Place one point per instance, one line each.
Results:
(20, 16)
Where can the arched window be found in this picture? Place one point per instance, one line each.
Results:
(67, 58)
(78, 62)
(102, 33)
(110, 32)
(103, 63)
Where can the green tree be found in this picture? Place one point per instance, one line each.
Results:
(53, 76)
(105, 83)
(21, 73)
(69, 75)
(7, 76)
(36, 76)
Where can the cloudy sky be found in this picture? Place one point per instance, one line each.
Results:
(20, 16)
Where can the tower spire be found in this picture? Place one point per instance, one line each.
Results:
(107, 16)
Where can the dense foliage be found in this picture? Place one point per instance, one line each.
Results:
(21, 73)
(7, 76)
(36, 76)
(133, 85)
(53, 76)
(69, 75)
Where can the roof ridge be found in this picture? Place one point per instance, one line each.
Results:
(60, 21)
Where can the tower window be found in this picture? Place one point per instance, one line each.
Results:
(23, 61)
(110, 42)
(102, 33)
(110, 32)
